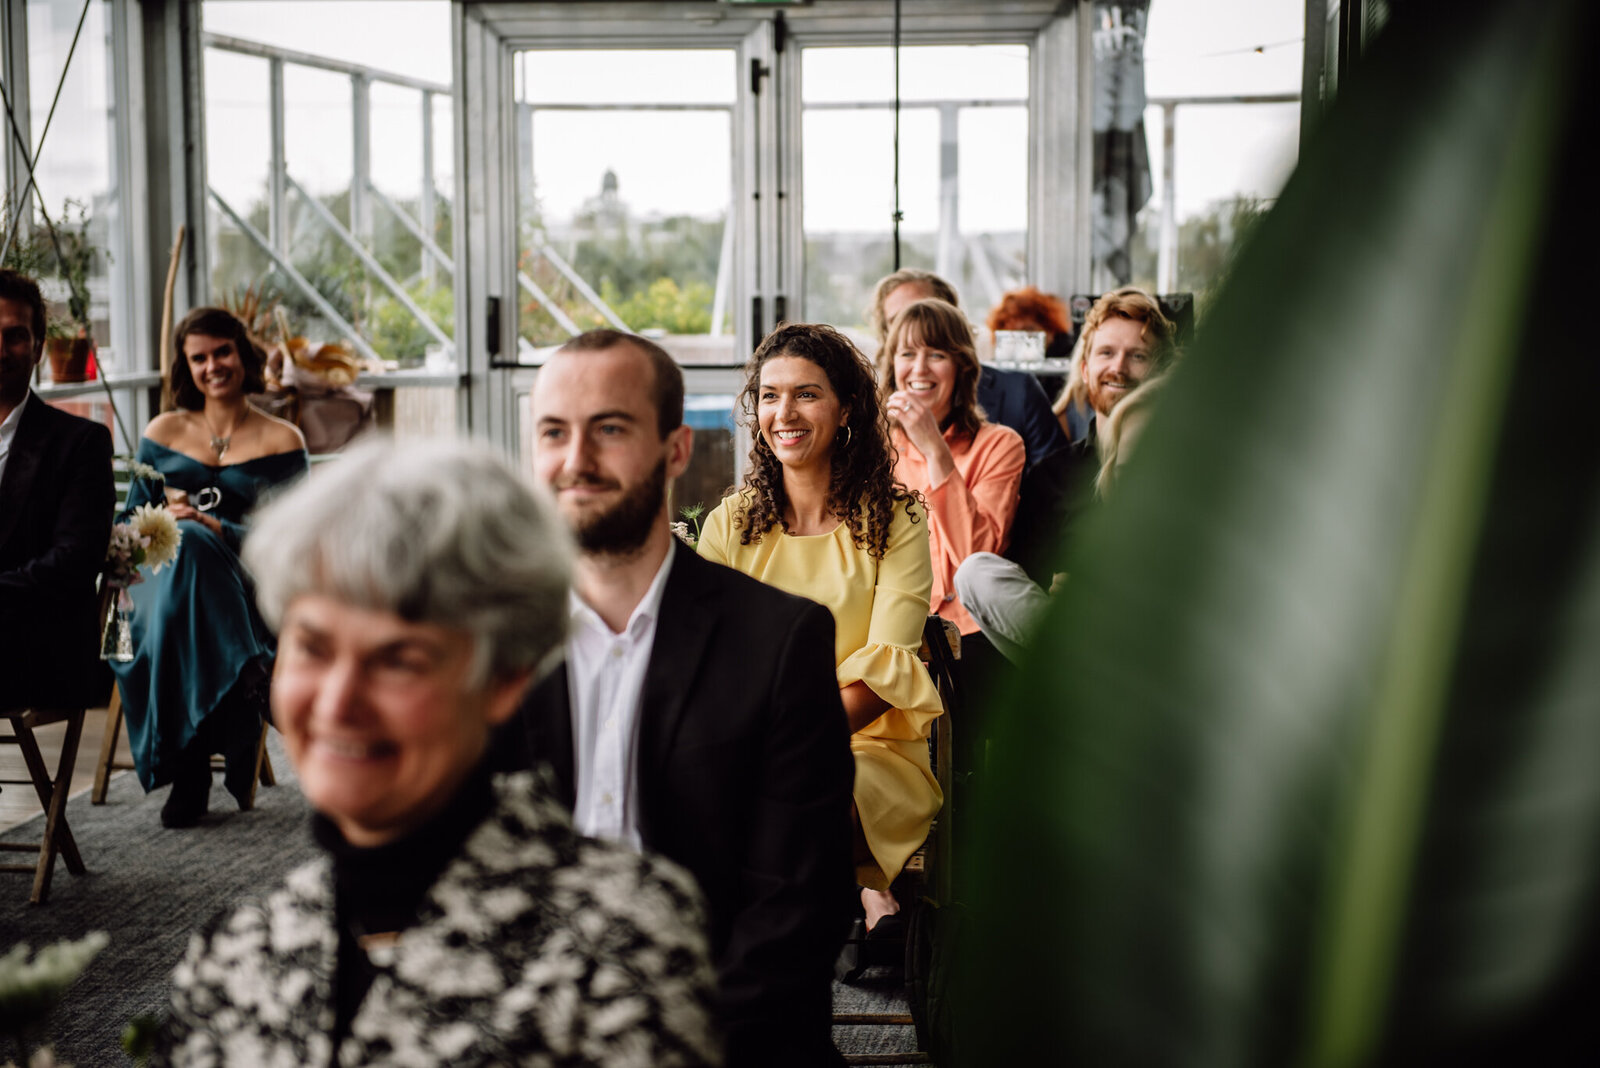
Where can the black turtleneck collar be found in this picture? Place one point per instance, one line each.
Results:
(379, 889)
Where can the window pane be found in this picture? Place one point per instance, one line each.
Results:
(318, 126)
(679, 76)
(613, 218)
(927, 72)
(75, 177)
(848, 215)
(712, 465)
(410, 37)
(395, 39)
(396, 117)
(963, 173)
(444, 170)
(238, 128)
(238, 163)
(1229, 160)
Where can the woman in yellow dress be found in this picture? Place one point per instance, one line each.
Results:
(820, 515)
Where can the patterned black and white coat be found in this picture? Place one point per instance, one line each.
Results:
(535, 947)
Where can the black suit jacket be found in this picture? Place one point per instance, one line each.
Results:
(56, 500)
(1017, 400)
(1053, 494)
(744, 778)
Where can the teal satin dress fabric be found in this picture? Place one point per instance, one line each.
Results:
(195, 626)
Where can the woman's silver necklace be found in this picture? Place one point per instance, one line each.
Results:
(220, 442)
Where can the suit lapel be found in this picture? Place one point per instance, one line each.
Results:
(683, 631)
(549, 727)
(22, 468)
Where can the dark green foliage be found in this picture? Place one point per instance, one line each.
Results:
(1301, 772)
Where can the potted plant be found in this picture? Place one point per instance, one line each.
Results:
(64, 252)
(70, 344)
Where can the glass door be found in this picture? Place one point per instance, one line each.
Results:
(698, 179)
(624, 196)
(626, 177)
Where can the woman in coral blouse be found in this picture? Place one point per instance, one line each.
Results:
(966, 468)
(820, 515)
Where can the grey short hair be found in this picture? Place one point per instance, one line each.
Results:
(438, 531)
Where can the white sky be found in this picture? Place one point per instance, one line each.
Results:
(668, 162)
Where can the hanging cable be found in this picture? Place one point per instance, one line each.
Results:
(33, 157)
(897, 212)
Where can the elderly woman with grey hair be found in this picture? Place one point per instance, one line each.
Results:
(457, 917)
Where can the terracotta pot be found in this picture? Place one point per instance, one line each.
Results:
(69, 358)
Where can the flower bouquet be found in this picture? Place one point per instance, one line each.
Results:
(690, 537)
(29, 989)
(148, 538)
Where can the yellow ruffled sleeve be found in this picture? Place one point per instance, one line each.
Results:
(888, 662)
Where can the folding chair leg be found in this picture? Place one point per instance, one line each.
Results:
(108, 748)
(264, 773)
(255, 772)
(57, 835)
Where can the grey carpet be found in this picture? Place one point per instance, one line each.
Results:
(148, 887)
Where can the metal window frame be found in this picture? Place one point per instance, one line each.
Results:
(489, 254)
(525, 111)
(130, 182)
(14, 59)
(767, 218)
(948, 109)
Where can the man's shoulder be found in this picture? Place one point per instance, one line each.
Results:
(41, 413)
(44, 424)
(1013, 389)
(732, 593)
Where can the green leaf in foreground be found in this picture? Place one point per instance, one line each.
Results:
(1301, 771)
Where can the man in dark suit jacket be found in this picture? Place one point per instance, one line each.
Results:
(1017, 400)
(56, 499)
(697, 714)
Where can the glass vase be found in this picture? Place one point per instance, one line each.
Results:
(116, 635)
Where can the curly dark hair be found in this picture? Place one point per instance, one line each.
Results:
(862, 491)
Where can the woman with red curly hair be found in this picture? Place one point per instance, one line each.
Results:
(821, 515)
(1030, 308)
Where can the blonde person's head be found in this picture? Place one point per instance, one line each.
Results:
(1131, 303)
(925, 283)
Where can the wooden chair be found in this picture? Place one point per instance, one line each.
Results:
(52, 792)
(941, 648)
(108, 761)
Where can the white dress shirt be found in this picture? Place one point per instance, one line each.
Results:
(8, 433)
(605, 680)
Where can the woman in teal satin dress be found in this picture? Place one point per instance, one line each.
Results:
(197, 683)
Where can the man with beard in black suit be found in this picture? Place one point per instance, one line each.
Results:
(56, 500)
(697, 714)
